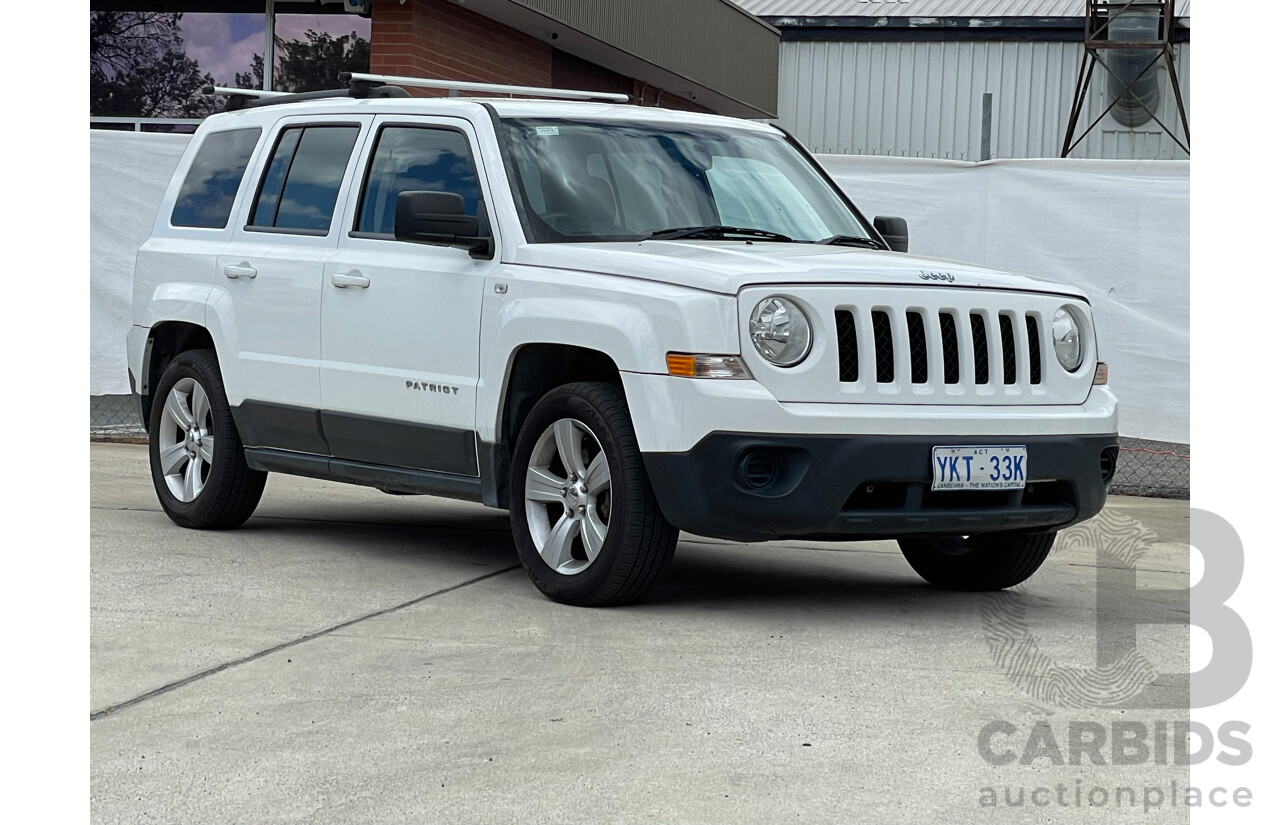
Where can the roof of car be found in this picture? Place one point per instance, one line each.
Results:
(471, 107)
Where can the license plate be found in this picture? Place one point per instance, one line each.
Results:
(979, 468)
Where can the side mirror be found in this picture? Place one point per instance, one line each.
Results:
(440, 218)
(894, 232)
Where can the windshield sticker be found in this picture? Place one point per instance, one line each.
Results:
(548, 130)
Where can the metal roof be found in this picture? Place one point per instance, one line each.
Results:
(926, 8)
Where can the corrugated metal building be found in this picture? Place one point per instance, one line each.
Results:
(906, 78)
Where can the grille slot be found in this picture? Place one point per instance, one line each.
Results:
(847, 343)
(950, 349)
(1033, 348)
(981, 360)
(882, 331)
(919, 350)
(1010, 354)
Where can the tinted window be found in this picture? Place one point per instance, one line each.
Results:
(264, 211)
(414, 159)
(300, 187)
(209, 190)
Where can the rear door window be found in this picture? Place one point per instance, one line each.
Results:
(209, 190)
(300, 187)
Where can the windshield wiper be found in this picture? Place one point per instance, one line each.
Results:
(851, 240)
(714, 231)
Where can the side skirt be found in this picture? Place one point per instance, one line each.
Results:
(387, 479)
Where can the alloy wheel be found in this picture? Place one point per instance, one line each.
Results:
(186, 439)
(568, 496)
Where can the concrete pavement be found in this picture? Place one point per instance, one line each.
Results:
(352, 657)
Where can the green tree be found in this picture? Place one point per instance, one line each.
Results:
(252, 79)
(310, 65)
(138, 68)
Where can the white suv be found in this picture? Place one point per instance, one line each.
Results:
(616, 322)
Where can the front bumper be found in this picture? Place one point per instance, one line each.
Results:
(758, 486)
(673, 415)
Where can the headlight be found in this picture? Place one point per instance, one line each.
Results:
(1066, 338)
(780, 331)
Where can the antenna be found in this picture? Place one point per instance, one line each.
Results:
(362, 82)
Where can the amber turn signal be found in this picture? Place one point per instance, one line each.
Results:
(684, 365)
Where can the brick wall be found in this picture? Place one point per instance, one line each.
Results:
(439, 39)
(435, 38)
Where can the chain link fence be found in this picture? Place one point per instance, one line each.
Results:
(115, 417)
(1155, 469)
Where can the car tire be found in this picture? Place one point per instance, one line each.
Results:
(197, 459)
(591, 534)
(984, 562)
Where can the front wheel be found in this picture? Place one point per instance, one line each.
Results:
(986, 562)
(197, 460)
(586, 524)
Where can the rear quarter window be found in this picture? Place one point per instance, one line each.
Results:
(209, 190)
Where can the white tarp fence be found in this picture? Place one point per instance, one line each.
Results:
(1118, 229)
(128, 173)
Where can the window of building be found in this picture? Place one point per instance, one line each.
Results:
(209, 190)
(149, 64)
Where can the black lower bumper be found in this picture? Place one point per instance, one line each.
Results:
(754, 487)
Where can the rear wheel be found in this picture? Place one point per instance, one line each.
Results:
(586, 524)
(197, 460)
(987, 562)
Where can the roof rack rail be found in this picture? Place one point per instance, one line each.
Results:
(239, 98)
(235, 91)
(362, 83)
(253, 98)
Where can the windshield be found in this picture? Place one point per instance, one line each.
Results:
(609, 181)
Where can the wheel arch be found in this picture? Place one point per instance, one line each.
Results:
(536, 369)
(167, 340)
(533, 370)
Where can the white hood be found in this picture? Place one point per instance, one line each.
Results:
(728, 266)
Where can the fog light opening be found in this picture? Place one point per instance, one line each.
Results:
(1109, 458)
(757, 470)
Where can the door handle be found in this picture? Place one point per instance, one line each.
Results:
(241, 270)
(346, 279)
